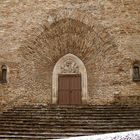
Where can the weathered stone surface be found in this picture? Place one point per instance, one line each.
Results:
(55, 122)
(34, 35)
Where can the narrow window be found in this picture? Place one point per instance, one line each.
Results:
(136, 73)
(4, 73)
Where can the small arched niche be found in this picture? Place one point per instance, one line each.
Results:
(69, 64)
(136, 71)
(4, 77)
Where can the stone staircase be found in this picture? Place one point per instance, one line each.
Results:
(30, 122)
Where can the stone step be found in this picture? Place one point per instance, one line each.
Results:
(47, 133)
(67, 112)
(61, 116)
(58, 125)
(64, 106)
(74, 109)
(53, 135)
(40, 131)
(48, 122)
(3, 137)
(69, 122)
(43, 135)
(74, 112)
(47, 136)
(66, 128)
(70, 117)
(31, 137)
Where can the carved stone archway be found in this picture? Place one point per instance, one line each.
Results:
(69, 64)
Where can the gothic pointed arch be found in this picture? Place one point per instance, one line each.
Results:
(69, 64)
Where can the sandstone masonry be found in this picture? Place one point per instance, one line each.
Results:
(36, 34)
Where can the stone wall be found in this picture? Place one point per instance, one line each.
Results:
(35, 34)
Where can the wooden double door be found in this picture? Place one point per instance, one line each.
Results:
(69, 89)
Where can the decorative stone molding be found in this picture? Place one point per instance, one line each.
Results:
(69, 64)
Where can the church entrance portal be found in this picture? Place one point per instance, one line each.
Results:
(69, 81)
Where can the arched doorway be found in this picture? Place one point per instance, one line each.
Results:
(69, 79)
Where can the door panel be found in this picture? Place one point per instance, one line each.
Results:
(63, 91)
(75, 97)
(69, 90)
(75, 88)
(63, 83)
(75, 82)
(64, 97)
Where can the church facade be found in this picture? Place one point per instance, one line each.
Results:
(69, 53)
